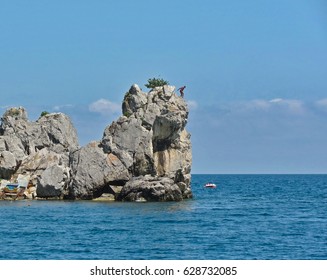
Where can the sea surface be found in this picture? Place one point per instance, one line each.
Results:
(245, 217)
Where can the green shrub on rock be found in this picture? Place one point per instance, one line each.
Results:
(156, 82)
(44, 113)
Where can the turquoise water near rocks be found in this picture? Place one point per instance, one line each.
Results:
(245, 217)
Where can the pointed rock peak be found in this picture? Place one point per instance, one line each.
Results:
(16, 113)
(135, 89)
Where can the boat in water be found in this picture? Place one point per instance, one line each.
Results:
(13, 191)
(16, 189)
(210, 186)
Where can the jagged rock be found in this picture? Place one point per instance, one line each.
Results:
(93, 171)
(153, 140)
(132, 143)
(13, 144)
(57, 133)
(52, 131)
(39, 161)
(30, 193)
(52, 182)
(13, 118)
(148, 188)
(133, 100)
(145, 154)
(36, 148)
(7, 164)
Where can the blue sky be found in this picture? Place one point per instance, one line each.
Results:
(255, 72)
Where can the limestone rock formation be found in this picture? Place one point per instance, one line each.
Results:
(52, 181)
(148, 188)
(143, 156)
(93, 171)
(37, 149)
(151, 139)
(7, 164)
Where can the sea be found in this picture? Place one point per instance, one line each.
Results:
(247, 217)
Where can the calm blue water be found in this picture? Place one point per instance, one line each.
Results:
(246, 217)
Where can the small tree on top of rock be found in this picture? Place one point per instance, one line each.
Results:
(44, 113)
(156, 82)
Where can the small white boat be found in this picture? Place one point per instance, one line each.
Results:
(210, 185)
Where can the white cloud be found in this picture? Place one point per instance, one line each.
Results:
(104, 107)
(276, 100)
(289, 105)
(322, 104)
(257, 104)
(293, 105)
(192, 104)
(296, 106)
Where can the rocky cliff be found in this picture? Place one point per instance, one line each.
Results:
(143, 156)
(37, 150)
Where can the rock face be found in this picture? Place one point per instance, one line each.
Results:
(151, 141)
(39, 149)
(93, 171)
(145, 154)
(149, 188)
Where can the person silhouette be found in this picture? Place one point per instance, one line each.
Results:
(181, 90)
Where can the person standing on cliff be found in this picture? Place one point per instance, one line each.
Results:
(181, 90)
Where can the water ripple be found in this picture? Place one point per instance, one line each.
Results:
(246, 217)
